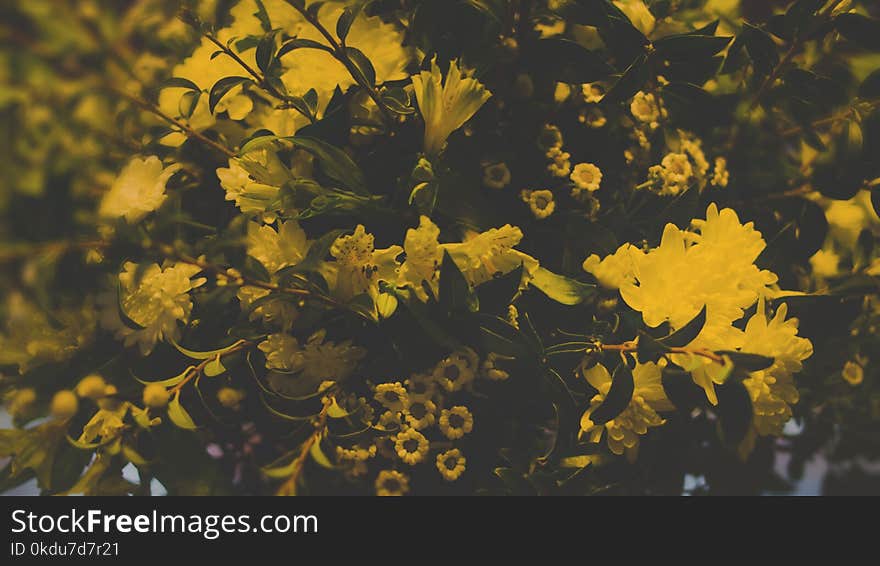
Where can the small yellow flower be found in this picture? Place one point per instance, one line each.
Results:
(391, 483)
(550, 138)
(825, 264)
(592, 117)
(456, 370)
(645, 108)
(420, 414)
(64, 404)
(411, 446)
(156, 396)
(230, 398)
(592, 93)
(356, 453)
(853, 373)
(392, 396)
(560, 165)
(420, 386)
(586, 176)
(21, 401)
(491, 370)
(456, 422)
(496, 176)
(91, 387)
(721, 175)
(451, 464)
(390, 421)
(540, 202)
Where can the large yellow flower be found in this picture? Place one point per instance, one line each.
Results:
(138, 190)
(623, 431)
(446, 106)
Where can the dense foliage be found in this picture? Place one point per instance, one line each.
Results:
(439, 246)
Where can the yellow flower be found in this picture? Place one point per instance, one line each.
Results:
(107, 423)
(482, 256)
(230, 398)
(155, 396)
(446, 107)
(276, 249)
(825, 264)
(420, 414)
(390, 421)
(586, 176)
(91, 387)
(592, 93)
(64, 404)
(540, 202)
(720, 176)
(491, 370)
(359, 266)
(356, 453)
(138, 190)
(451, 464)
(156, 302)
(20, 401)
(392, 396)
(623, 431)
(456, 370)
(423, 257)
(420, 386)
(391, 483)
(645, 108)
(772, 390)
(253, 181)
(853, 373)
(560, 164)
(550, 138)
(456, 422)
(411, 446)
(316, 360)
(616, 269)
(496, 176)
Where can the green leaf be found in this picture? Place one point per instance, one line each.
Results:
(746, 361)
(178, 414)
(870, 87)
(262, 15)
(301, 43)
(801, 16)
(761, 48)
(860, 30)
(497, 293)
(333, 162)
(689, 46)
(680, 388)
(631, 82)
(199, 355)
(455, 292)
(397, 100)
(734, 411)
(180, 82)
(221, 87)
(566, 61)
(687, 333)
(214, 368)
(561, 289)
(618, 398)
(343, 24)
(649, 348)
(171, 381)
(319, 457)
(265, 54)
(362, 65)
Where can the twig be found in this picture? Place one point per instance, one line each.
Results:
(632, 347)
(152, 108)
(289, 486)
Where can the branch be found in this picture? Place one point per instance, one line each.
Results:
(152, 108)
